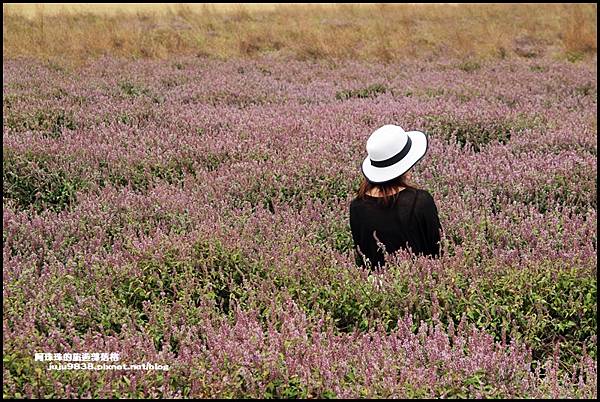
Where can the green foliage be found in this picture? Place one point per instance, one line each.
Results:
(30, 181)
(589, 88)
(174, 171)
(328, 188)
(469, 66)
(141, 177)
(538, 69)
(467, 132)
(560, 190)
(21, 370)
(116, 298)
(136, 177)
(435, 92)
(49, 123)
(124, 118)
(212, 161)
(223, 272)
(477, 134)
(239, 100)
(574, 56)
(157, 281)
(24, 373)
(335, 236)
(477, 385)
(292, 389)
(131, 89)
(539, 306)
(371, 91)
(33, 179)
(305, 186)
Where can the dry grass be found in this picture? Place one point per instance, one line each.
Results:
(383, 32)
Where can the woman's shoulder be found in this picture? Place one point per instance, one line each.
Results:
(424, 199)
(360, 203)
(357, 205)
(424, 194)
(356, 202)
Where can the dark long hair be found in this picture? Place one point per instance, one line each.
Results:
(388, 188)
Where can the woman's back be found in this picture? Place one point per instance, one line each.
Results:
(388, 209)
(410, 221)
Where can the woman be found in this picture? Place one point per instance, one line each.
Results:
(389, 210)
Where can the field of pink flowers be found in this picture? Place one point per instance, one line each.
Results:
(194, 213)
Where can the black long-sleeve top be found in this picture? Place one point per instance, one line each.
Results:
(411, 220)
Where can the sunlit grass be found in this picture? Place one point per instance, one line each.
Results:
(378, 32)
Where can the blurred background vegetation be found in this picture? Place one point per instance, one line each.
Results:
(330, 31)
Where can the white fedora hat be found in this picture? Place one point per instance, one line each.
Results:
(392, 152)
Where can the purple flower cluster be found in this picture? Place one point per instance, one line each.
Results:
(195, 213)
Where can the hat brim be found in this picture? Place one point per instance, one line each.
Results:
(383, 174)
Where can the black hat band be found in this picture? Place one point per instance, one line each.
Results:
(394, 159)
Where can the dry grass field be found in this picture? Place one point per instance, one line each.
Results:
(377, 32)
